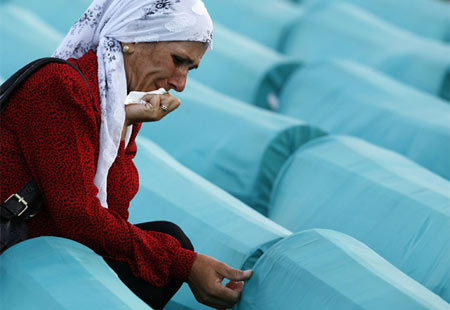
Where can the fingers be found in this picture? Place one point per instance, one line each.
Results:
(155, 108)
(166, 102)
(234, 274)
(154, 100)
(226, 296)
(205, 280)
(169, 103)
(235, 285)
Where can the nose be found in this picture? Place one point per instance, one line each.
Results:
(178, 80)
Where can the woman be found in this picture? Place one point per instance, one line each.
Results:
(77, 142)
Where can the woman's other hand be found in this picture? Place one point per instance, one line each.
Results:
(155, 108)
(205, 281)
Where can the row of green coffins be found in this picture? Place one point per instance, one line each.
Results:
(428, 18)
(249, 152)
(335, 29)
(312, 269)
(340, 97)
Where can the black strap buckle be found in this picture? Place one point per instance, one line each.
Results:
(16, 212)
(24, 204)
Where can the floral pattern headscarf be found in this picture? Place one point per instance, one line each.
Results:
(101, 28)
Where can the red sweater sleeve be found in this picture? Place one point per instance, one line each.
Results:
(58, 135)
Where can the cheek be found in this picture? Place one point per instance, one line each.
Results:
(150, 72)
(166, 72)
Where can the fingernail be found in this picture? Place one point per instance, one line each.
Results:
(247, 273)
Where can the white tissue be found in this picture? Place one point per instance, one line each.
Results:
(136, 96)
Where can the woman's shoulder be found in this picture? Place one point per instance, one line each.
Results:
(58, 84)
(61, 76)
(56, 80)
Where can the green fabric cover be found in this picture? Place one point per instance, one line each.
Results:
(342, 97)
(428, 18)
(242, 68)
(218, 224)
(56, 273)
(386, 201)
(340, 30)
(265, 21)
(324, 269)
(33, 39)
(334, 29)
(236, 146)
(60, 14)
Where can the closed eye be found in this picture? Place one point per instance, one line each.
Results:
(181, 61)
(178, 60)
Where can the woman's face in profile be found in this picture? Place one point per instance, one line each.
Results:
(150, 66)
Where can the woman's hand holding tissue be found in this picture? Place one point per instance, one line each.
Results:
(150, 108)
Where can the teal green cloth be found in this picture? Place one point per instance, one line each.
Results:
(236, 146)
(324, 269)
(25, 37)
(56, 273)
(333, 29)
(265, 21)
(386, 201)
(60, 14)
(242, 68)
(342, 97)
(218, 224)
(428, 18)
(340, 30)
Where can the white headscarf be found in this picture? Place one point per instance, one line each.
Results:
(102, 27)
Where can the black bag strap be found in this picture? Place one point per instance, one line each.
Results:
(10, 85)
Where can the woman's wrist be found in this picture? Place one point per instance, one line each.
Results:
(124, 130)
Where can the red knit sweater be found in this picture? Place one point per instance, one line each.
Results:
(50, 132)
